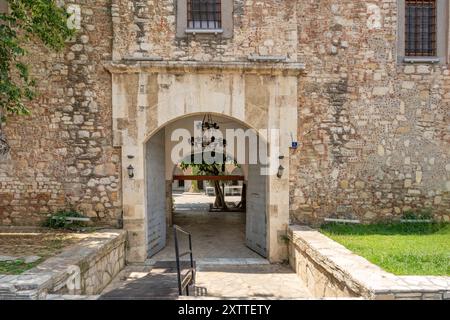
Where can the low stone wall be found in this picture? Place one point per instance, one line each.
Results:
(331, 270)
(83, 269)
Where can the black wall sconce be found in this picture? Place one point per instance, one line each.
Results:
(280, 171)
(130, 170)
(280, 168)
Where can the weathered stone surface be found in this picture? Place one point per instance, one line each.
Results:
(85, 268)
(8, 258)
(373, 132)
(55, 150)
(330, 270)
(31, 259)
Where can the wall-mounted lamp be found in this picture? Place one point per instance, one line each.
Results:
(280, 171)
(280, 168)
(130, 170)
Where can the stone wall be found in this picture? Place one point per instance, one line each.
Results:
(374, 133)
(83, 269)
(62, 154)
(149, 95)
(328, 269)
(145, 28)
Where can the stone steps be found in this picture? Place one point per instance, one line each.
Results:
(222, 261)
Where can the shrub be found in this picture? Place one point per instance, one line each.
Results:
(58, 220)
(424, 214)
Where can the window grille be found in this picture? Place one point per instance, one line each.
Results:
(420, 28)
(204, 14)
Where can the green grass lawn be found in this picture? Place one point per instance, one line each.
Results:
(402, 249)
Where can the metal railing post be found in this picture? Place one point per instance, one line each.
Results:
(177, 257)
(181, 282)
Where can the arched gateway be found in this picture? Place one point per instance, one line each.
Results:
(149, 97)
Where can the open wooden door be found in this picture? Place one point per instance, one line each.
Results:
(256, 225)
(156, 197)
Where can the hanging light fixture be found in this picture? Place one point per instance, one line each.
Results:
(209, 140)
(208, 130)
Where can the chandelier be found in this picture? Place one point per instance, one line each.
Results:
(209, 138)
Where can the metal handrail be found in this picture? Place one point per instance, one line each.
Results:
(183, 285)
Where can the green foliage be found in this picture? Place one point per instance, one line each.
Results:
(383, 228)
(204, 168)
(403, 249)
(16, 267)
(58, 220)
(424, 214)
(28, 21)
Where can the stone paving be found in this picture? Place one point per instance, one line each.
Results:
(228, 281)
(251, 281)
(226, 268)
(214, 234)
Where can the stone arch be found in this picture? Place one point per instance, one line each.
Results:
(149, 96)
(158, 213)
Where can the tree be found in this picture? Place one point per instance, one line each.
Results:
(210, 170)
(215, 169)
(27, 22)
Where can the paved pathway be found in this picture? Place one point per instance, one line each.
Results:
(144, 283)
(213, 281)
(226, 268)
(214, 235)
(251, 281)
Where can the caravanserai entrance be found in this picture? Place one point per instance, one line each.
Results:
(222, 204)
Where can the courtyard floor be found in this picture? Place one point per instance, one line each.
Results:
(216, 236)
(226, 268)
(223, 282)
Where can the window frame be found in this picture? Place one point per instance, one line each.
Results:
(4, 6)
(421, 28)
(226, 31)
(442, 23)
(216, 14)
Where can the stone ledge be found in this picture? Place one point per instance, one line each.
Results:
(344, 273)
(285, 68)
(71, 271)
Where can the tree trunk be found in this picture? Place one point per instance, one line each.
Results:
(243, 204)
(4, 145)
(220, 197)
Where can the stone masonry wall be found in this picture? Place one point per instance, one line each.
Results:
(375, 133)
(85, 268)
(328, 269)
(62, 154)
(148, 29)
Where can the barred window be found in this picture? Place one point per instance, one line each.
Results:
(204, 14)
(421, 28)
(3, 6)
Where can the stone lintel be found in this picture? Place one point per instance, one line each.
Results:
(284, 69)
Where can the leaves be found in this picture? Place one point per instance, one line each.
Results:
(37, 21)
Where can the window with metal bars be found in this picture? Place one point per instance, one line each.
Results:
(204, 14)
(3, 6)
(421, 28)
